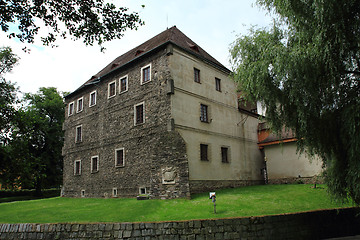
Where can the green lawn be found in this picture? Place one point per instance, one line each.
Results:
(246, 201)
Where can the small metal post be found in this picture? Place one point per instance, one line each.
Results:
(213, 198)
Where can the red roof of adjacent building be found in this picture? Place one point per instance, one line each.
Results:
(267, 137)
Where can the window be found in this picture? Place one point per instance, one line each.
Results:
(146, 74)
(123, 82)
(94, 164)
(80, 104)
(77, 167)
(82, 193)
(112, 89)
(224, 155)
(92, 99)
(142, 190)
(119, 157)
(71, 109)
(196, 75)
(139, 114)
(114, 192)
(139, 51)
(204, 152)
(78, 136)
(204, 113)
(218, 84)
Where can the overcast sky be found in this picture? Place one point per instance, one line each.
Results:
(212, 24)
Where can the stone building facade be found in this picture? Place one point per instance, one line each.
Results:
(161, 120)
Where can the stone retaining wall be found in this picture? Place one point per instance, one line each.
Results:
(299, 180)
(308, 225)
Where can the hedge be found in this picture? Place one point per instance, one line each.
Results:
(53, 192)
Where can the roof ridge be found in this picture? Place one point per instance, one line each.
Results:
(173, 35)
(131, 50)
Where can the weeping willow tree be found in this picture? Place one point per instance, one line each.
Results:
(305, 69)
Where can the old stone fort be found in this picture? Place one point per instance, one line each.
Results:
(161, 120)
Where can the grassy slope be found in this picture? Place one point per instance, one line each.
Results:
(246, 201)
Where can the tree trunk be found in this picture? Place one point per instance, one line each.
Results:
(38, 192)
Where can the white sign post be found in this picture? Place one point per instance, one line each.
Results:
(212, 196)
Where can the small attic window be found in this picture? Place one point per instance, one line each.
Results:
(114, 65)
(138, 52)
(193, 47)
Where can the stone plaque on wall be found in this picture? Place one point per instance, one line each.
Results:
(168, 175)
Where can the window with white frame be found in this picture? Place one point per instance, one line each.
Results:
(139, 113)
(123, 83)
(146, 74)
(71, 109)
(114, 192)
(78, 134)
(80, 104)
(92, 99)
(119, 157)
(77, 167)
(142, 190)
(112, 89)
(94, 164)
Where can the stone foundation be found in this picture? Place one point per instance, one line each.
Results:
(199, 186)
(299, 180)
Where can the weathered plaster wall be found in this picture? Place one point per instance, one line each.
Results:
(227, 126)
(284, 162)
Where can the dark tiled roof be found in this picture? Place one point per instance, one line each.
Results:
(171, 35)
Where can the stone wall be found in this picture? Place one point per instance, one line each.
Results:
(169, 156)
(309, 225)
(299, 180)
(151, 151)
(199, 186)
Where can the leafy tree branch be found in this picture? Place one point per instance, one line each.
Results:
(93, 21)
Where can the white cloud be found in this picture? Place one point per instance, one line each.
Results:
(211, 24)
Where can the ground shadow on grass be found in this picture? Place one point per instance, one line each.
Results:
(199, 196)
(25, 198)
